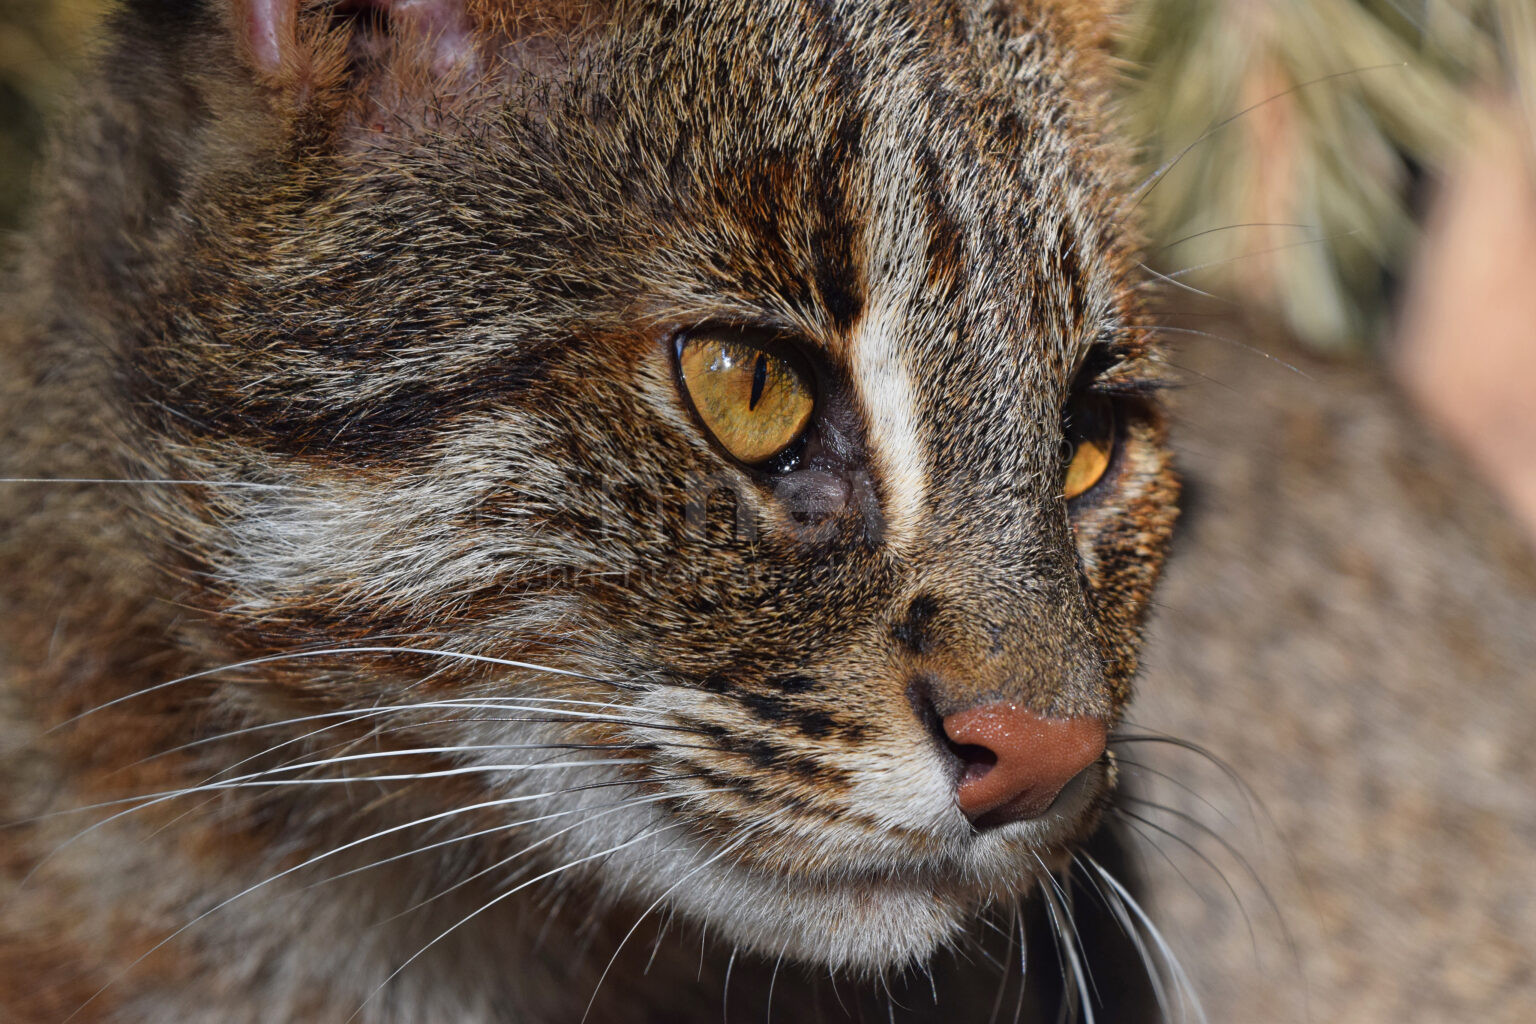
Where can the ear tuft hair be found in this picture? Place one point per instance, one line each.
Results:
(377, 54)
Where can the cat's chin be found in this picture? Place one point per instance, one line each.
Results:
(865, 921)
(868, 906)
(860, 928)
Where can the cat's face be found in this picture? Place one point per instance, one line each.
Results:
(504, 371)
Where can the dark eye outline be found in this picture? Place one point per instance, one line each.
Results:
(1115, 414)
(1089, 385)
(777, 344)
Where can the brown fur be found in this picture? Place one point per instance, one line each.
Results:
(428, 305)
(421, 295)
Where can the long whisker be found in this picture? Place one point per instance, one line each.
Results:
(257, 781)
(330, 652)
(504, 827)
(297, 762)
(1173, 275)
(352, 715)
(1176, 969)
(1150, 840)
(1190, 331)
(300, 866)
(1236, 855)
(646, 913)
(503, 896)
(1254, 803)
(1112, 903)
(1238, 900)
(1232, 227)
(503, 862)
(563, 717)
(1194, 822)
(1145, 188)
(233, 484)
(1138, 767)
(1018, 924)
(1070, 942)
(1181, 285)
(725, 989)
(1007, 966)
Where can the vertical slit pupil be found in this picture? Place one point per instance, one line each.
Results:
(759, 380)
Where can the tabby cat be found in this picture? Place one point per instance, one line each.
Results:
(641, 511)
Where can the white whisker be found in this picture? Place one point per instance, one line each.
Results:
(394, 829)
(645, 913)
(325, 652)
(1181, 980)
(1069, 942)
(234, 484)
(606, 809)
(1145, 188)
(256, 780)
(1229, 227)
(1215, 869)
(503, 862)
(1173, 276)
(503, 896)
(1116, 907)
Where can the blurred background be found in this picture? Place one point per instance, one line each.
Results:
(42, 43)
(1358, 171)
(1345, 118)
(1363, 173)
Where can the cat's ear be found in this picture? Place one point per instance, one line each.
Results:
(1093, 24)
(309, 46)
(1088, 27)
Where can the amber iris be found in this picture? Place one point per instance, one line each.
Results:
(753, 400)
(1090, 429)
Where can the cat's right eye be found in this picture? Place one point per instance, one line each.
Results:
(755, 399)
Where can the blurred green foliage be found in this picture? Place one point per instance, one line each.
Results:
(1296, 136)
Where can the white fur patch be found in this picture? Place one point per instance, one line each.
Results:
(884, 386)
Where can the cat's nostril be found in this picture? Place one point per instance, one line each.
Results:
(1015, 761)
(975, 760)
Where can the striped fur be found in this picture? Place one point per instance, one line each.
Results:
(429, 314)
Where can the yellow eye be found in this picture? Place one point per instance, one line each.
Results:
(755, 402)
(1091, 434)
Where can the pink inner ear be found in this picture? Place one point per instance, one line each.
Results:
(445, 22)
(271, 34)
(269, 31)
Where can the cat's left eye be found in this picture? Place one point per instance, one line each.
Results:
(1090, 436)
(754, 398)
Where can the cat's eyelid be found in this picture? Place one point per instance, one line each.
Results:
(1115, 369)
(1133, 380)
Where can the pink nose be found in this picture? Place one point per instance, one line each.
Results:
(1016, 762)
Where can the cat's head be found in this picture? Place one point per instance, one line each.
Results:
(750, 396)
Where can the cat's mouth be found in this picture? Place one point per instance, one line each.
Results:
(872, 862)
(865, 903)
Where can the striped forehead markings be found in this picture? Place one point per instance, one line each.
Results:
(883, 383)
